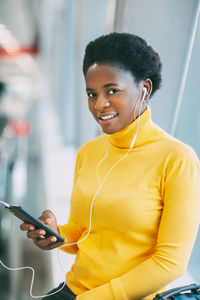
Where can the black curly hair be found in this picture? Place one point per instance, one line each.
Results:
(128, 52)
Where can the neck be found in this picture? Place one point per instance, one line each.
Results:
(123, 138)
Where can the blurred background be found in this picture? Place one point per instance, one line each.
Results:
(43, 110)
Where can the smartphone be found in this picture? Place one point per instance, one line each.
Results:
(26, 217)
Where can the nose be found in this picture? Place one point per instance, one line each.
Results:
(101, 103)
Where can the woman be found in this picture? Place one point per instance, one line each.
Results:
(135, 202)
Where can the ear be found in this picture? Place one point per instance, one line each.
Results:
(148, 85)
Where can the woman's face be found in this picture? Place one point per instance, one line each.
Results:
(112, 96)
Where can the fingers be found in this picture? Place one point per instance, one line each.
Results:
(47, 217)
(38, 237)
(26, 227)
(48, 243)
(36, 234)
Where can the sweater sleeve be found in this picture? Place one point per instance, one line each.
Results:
(176, 235)
(71, 231)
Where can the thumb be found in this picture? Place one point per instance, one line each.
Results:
(47, 217)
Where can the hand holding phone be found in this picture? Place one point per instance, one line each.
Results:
(43, 231)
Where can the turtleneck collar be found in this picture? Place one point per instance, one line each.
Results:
(123, 138)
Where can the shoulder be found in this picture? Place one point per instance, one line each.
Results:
(175, 149)
(87, 152)
(91, 144)
(92, 148)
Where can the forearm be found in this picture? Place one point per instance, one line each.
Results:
(71, 232)
(147, 278)
(71, 236)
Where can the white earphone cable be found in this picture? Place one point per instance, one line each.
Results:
(91, 206)
(27, 268)
(104, 179)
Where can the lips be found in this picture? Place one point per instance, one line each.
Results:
(107, 117)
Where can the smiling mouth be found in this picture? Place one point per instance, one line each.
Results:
(108, 117)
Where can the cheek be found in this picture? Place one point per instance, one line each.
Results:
(128, 108)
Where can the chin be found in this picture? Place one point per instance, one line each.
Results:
(110, 131)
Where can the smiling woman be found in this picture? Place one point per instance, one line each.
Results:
(112, 96)
(135, 204)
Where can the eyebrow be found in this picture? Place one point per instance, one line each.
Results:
(105, 86)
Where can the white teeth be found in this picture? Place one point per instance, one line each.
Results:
(107, 117)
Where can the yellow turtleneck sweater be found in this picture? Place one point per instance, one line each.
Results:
(145, 217)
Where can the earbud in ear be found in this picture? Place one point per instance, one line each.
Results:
(144, 90)
(144, 93)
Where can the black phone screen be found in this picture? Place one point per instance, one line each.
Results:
(26, 217)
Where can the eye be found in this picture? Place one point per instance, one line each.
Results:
(91, 95)
(113, 91)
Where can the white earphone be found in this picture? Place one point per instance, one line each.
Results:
(101, 183)
(145, 92)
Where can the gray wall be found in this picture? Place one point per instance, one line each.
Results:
(167, 25)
